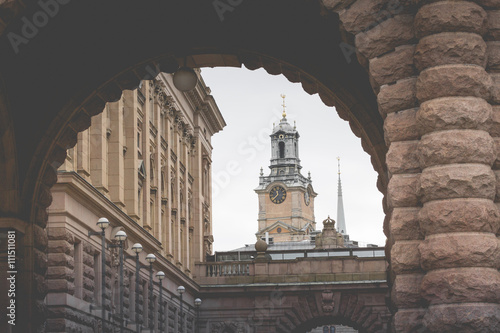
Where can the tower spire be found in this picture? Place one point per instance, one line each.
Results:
(340, 206)
(283, 105)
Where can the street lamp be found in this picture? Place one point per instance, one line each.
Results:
(185, 78)
(181, 291)
(151, 258)
(137, 248)
(160, 275)
(102, 223)
(121, 236)
(197, 304)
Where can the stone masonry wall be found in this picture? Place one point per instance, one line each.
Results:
(434, 67)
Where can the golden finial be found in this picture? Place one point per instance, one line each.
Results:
(338, 158)
(284, 112)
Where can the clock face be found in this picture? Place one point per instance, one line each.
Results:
(277, 194)
(307, 198)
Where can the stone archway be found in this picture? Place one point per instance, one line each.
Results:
(432, 69)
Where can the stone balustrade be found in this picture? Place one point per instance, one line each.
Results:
(299, 270)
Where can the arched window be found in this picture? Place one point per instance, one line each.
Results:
(282, 149)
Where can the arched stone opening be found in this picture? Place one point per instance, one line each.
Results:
(326, 321)
(405, 50)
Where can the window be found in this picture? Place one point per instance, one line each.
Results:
(151, 111)
(152, 216)
(162, 125)
(139, 202)
(282, 149)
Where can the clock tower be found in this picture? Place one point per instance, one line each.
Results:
(286, 197)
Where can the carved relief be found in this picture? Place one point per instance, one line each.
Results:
(327, 303)
(228, 327)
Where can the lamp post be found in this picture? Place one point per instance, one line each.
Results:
(197, 303)
(151, 258)
(121, 236)
(181, 291)
(102, 223)
(160, 275)
(137, 248)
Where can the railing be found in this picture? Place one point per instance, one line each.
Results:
(360, 252)
(227, 269)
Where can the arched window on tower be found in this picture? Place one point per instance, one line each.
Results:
(282, 149)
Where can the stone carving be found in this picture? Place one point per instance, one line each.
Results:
(329, 237)
(227, 327)
(327, 303)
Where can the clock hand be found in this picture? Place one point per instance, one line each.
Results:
(275, 196)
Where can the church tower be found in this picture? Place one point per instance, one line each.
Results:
(286, 197)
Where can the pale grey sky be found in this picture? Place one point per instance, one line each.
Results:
(250, 102)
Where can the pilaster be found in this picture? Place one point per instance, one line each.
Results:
(456, 153)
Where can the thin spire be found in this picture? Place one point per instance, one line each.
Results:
(341, 227)
(283, 105)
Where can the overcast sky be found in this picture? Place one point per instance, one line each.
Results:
(250, 103)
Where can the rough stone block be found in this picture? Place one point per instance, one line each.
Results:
(456, 146)
(402, 157)
(40, 260)
(401, 126)
(62, 285)
(409, 320)
(496, 164)
(493, 56)
(463, 318)
(60, 246)
(462, 285)
(61, 259)
(398, 96)
(493, 24)
(40, 238)
(404, 224)
(459, 215)
(405, 257)
(40, 285)
(451, 250)
(386, 36)
(495, 88)
(455, 113)
(453, 80)
(402, 190)
(360, 16)
(393, 66)
(450, 48)
(44, 196)
(59, 272)
(405, 291)
(450, 16)
(457, 181)
(60, 234)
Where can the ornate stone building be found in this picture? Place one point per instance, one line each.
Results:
(286, 197)
(145, 164)
(418, 82)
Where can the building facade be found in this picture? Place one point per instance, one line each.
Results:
(145, 164)
(286, 197)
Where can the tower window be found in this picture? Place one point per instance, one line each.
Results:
(282, 149)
